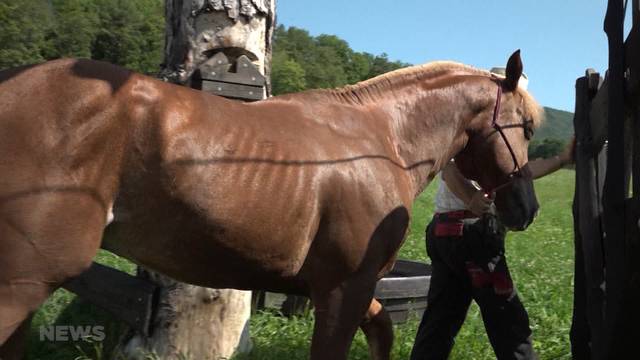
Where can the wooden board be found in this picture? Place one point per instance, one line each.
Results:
(400, 288)
(218, 69)
(127, 297)
(234, 91)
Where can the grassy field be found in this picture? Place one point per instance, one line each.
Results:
(541, 261)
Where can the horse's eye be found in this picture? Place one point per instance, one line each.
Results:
(528, 132)
(528, 129)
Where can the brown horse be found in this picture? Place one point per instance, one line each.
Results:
(308, 193)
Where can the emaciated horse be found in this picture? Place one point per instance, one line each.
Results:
(309, 193)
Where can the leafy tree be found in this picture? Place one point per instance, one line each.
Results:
(380, 64)
(24, 26)
(341, 56)
(288, 76)
(325, 70)
(130, 34)
(75, 28)
(359, 67)
(326, 60)
(125, 32)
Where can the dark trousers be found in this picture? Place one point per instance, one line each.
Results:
(470, 265)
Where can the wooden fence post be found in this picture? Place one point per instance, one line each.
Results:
(614, 195)
(590, 163)
(625, 332)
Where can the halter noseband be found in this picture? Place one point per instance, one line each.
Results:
(518, 171)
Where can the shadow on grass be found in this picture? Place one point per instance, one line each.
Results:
(76, 313)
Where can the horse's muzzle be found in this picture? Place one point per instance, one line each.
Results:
(517, 204)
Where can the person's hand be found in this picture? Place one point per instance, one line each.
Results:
(480, 203)
(568, 154)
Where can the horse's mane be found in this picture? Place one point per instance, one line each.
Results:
(369, 89)
(419, 72)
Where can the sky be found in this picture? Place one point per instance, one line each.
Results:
(559, 39)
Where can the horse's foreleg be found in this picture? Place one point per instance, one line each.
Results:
(338, 314)
(44, 241)
(378, 329)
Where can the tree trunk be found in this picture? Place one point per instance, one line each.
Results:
(191, 321)
(198, 29)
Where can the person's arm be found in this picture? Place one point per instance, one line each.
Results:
(475, 199)
(543, 167)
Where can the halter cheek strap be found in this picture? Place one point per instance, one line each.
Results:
(518, 171)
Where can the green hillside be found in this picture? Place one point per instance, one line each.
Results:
(558, 125)
(553, 135)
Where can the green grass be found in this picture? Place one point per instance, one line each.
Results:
(64, 308)
(541, 262)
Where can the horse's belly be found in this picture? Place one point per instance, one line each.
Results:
(255, 249)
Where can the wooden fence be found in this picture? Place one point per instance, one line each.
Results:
(606, 317)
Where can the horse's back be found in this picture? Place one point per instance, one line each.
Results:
(57, 88)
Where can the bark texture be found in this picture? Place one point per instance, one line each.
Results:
(193, 322)
(198, 29)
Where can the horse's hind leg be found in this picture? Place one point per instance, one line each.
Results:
(45, 239)
(338, 313)
(378, 329)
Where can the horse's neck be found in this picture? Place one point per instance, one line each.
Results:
(428, 129)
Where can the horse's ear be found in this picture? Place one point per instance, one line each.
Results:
(513, 72)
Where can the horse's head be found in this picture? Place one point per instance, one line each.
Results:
(496, 152)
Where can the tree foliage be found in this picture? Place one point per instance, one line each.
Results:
(130, 33)
(288, 76)
(302, 61)
(74, 28)
(24, 31)
(124, 32)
